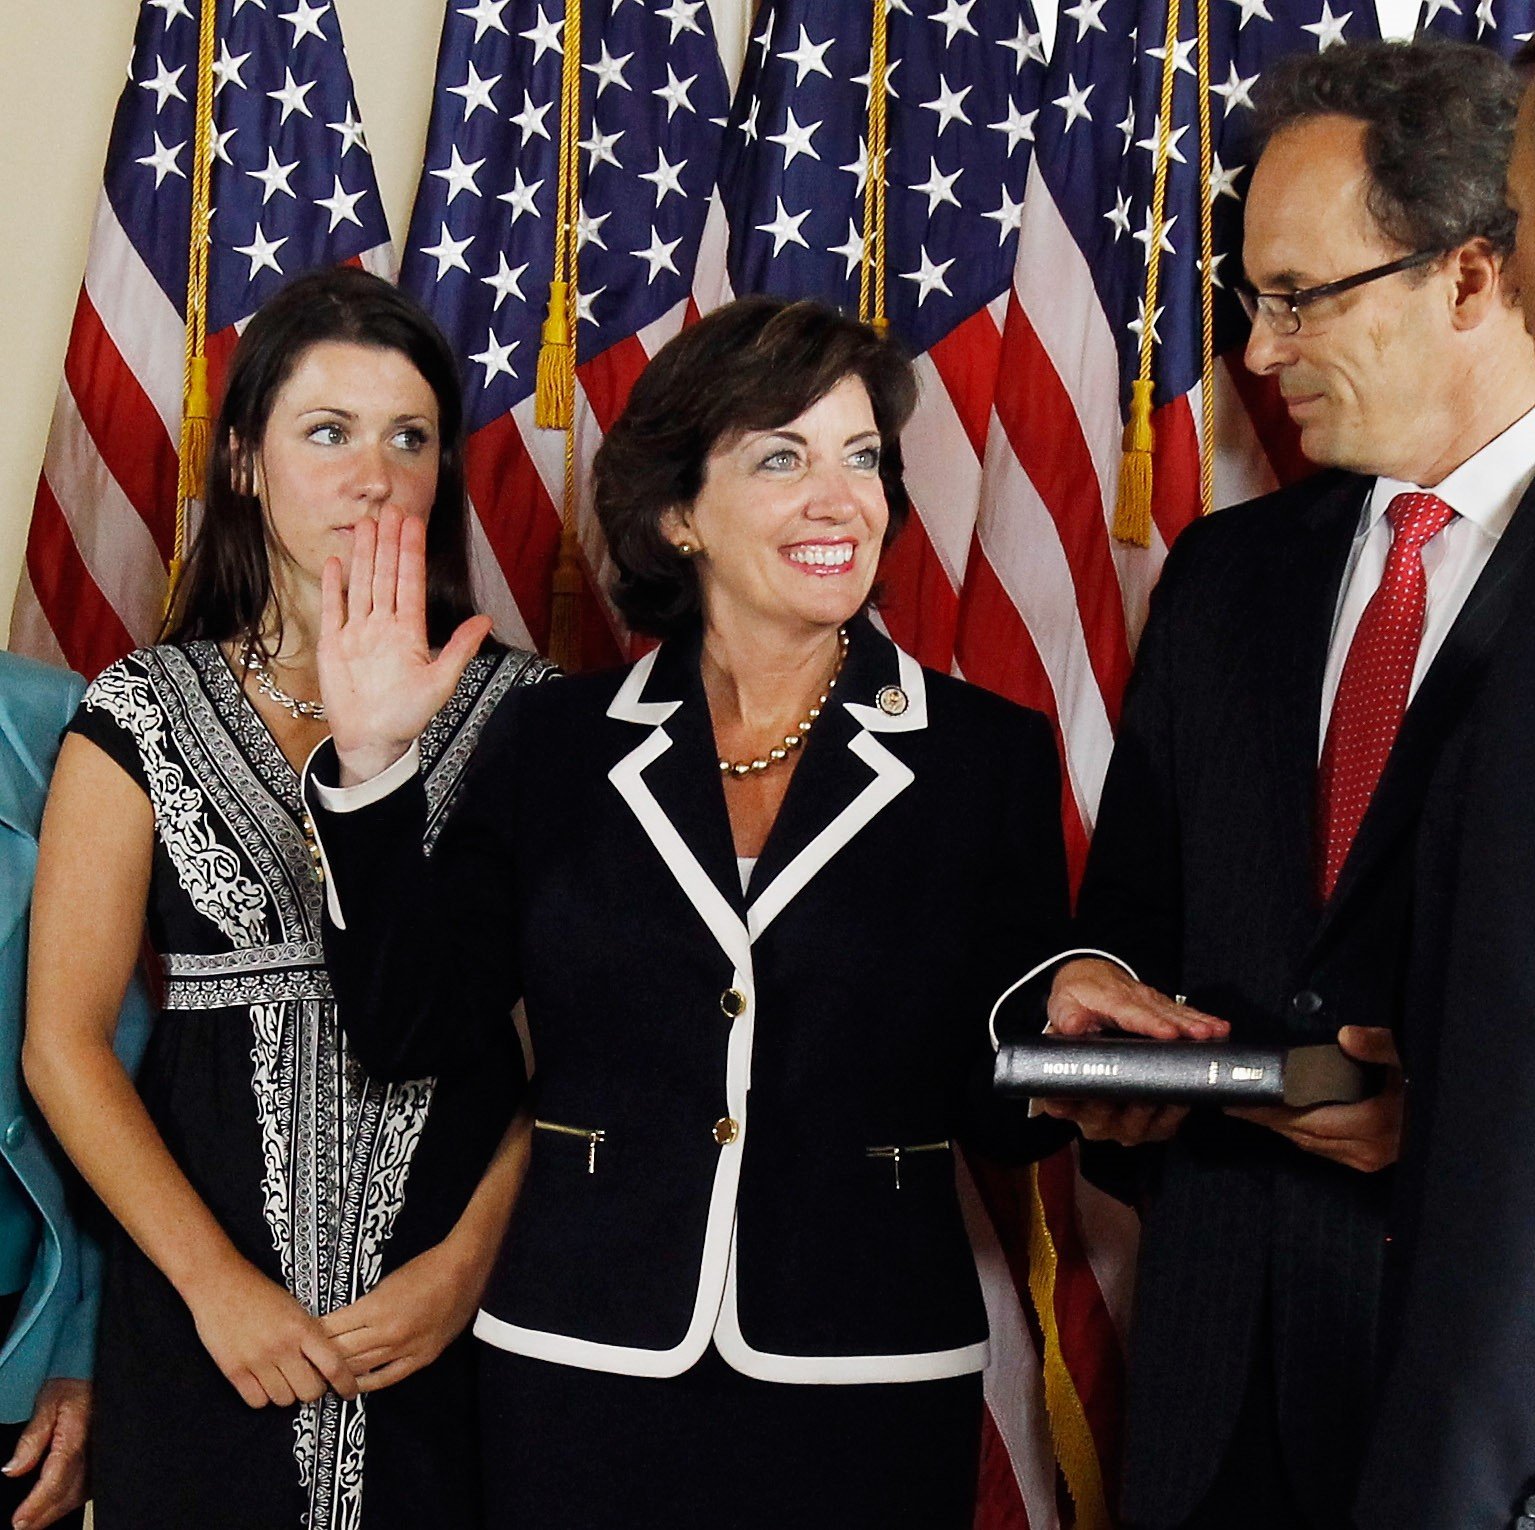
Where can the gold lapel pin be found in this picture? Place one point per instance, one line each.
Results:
(892, 701)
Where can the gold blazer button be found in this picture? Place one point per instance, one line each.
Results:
(892, 701)
(726, 1130)
(733, 1003)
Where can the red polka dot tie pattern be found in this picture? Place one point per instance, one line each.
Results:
(1377, 675)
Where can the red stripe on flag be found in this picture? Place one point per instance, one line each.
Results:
(89, 631)
(607, 379)
(997, 650)
(968, 359)
(1275, 430)
(519, 518)
(123, 423)
(1042, 426)
(918, 604)
(999, 1504)
(1175, 487)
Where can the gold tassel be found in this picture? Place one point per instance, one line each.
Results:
(1071, 1436)
(554, 395)
(871, 281)
(565, 606)
(196, 405)
(1132, 510)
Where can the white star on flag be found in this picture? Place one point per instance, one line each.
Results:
(807, 57)
(495, 358)
(507, 282)
(163, 160)
(666, 177)
(459, 175)
(1173, 151)
(545, 36)
(954, 18)
(521, 197)
(350, 129)
(675, 92)
(305, 21)
(609, 70)
(1138, 323)
(1237, 91)
(486, 14)
(1019, 126)
(262, 252)
(1164, 237)
(659, 256)
(1088, 15)
(1181, 54)
(600, 149)
(341, 204)
(476, 92)
(531, 118)
(852, 251)
(274, 177)
(683, 16)
(795, 139)
(1249, 9)
(1119, 215)
(1009, 216)
(448, 252)
(589, 228)
(785, 228)
(1328, 30)
(292, 95)
(938, 187)
(228, 66)
(929, 276)
(1026, 47)
(1074, 103)
(948, 105)
(164, 84)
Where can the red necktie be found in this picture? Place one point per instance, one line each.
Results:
(1377, 674)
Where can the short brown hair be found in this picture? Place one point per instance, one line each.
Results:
(1439, 124)
(754, 364)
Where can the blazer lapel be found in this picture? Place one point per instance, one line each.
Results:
(671, 784)
(847, 775)
(1442, 696)
(1297, 631)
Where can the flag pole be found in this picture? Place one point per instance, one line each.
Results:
(1132, 513)
(554, 397)
(196, 406)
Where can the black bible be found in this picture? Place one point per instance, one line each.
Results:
(1180, 1072)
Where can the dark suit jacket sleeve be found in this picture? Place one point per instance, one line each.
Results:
(1030, 908)
(423, 962)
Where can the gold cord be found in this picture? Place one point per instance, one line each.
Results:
(871, 285)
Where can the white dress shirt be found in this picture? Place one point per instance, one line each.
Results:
(1484, 491)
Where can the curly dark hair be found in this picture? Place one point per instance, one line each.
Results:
(226, 587)
(754, 364)
(1439, 119)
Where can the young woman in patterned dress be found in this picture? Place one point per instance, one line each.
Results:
(298, 1246)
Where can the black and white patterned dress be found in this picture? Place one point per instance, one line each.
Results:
(325, 1179)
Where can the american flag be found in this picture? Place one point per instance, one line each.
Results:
(292, 188)
(481, 253)
(1504, 25)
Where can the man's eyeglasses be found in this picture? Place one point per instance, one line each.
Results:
(1281, 311)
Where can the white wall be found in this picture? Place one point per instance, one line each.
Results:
(63, 64)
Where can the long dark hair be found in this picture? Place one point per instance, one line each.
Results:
(226, 586)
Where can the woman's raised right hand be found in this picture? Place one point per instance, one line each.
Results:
(379, 680)
(268, 1347)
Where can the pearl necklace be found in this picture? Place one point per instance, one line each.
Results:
(791, 741)
(274, 692)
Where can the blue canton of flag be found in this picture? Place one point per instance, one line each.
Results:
(1504, 25)
(963, 80)
(481, 247)
(293, 183)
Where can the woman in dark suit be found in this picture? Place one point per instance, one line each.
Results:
(756, 894)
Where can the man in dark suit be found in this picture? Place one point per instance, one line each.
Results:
(1308, 660)
(1454, 1438)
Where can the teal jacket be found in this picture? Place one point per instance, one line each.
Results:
(55, 1329)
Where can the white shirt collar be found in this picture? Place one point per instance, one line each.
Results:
(1485, 489)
